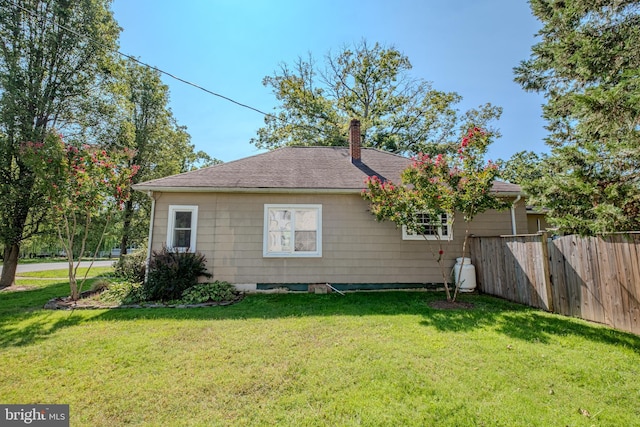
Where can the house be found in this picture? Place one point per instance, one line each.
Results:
(294, 217)
(537, 220)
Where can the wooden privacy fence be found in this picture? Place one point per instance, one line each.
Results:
(594, 278)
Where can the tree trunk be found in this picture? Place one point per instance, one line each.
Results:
(126, 227)
(10, 265)
(73, 284)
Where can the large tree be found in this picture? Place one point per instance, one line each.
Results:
(52, 56)
(398, 112)
(147, 127)
(587, 65)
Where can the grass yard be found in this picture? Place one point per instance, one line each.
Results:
(364, 359)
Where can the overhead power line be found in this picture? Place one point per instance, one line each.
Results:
(171, 75)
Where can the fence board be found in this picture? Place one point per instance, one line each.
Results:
(595, 278)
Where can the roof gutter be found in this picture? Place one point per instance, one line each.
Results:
(248, 190)
(272, 190)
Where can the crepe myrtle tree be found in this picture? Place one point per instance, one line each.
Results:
(436, 185)
(81, 183)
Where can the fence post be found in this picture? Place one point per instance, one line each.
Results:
(546, 270)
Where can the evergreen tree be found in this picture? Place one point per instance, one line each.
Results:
(587, 64)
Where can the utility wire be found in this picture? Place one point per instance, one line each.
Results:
(33, 14)
(226, 98)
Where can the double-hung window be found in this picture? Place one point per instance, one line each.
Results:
(292, 230)
(182, 228)
(430, 227)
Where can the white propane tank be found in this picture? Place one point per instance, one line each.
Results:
(467, 274)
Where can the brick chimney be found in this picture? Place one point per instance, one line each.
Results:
(354, 141)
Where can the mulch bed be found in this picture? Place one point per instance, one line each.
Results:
(86, 302)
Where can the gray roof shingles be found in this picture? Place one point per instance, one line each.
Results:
(294, 168)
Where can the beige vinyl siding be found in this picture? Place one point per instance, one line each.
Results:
(355, 248)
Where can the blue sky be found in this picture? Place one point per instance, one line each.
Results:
(229, 46)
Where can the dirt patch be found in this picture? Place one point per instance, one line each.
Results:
(450, 305)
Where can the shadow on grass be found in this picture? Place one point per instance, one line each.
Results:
(23, 325)
(525, 323)
(30, 328)
(24, 322)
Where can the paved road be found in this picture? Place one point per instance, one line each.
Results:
(22, 268)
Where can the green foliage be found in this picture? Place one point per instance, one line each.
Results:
(443, 184)
(204, 292)
(398, 112)
(367, 358)
(440, 184)
(132, 266)
(99, 285)
(147, 127)
(587, 65)
(172, 272)
(523, 168)
(50, 78)
(81, 184)
(123, 292)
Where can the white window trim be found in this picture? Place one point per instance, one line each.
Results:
(412, 236)
(292, 253)
(194, 226)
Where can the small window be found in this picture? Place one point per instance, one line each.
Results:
(432, 227)
(292, 231)
(182, 227)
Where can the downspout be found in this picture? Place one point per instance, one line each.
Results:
(513, 215)
(149, 242)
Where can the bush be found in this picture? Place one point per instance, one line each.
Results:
(205, 292)
(171, 273)
(132, 266)
(123, 292)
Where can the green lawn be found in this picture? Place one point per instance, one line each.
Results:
(364, 359)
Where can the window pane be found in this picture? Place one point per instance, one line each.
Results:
(279, 241)
(445, 225)
(292, 230)
(428, 226)
(306, 219)
(183, 220)
(305, 241)
(182, 238)
(279, 219)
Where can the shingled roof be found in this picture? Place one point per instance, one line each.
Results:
(295, 169)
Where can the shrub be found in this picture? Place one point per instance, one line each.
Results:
(205, 292)
(170, 273)
(132, 266)
(100, 285)
(123, 292)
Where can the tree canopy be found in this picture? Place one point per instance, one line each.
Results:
(147, 127)
(398, 112)
(443, 184)
(60, 74)
(587, 65)
(49, 79)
